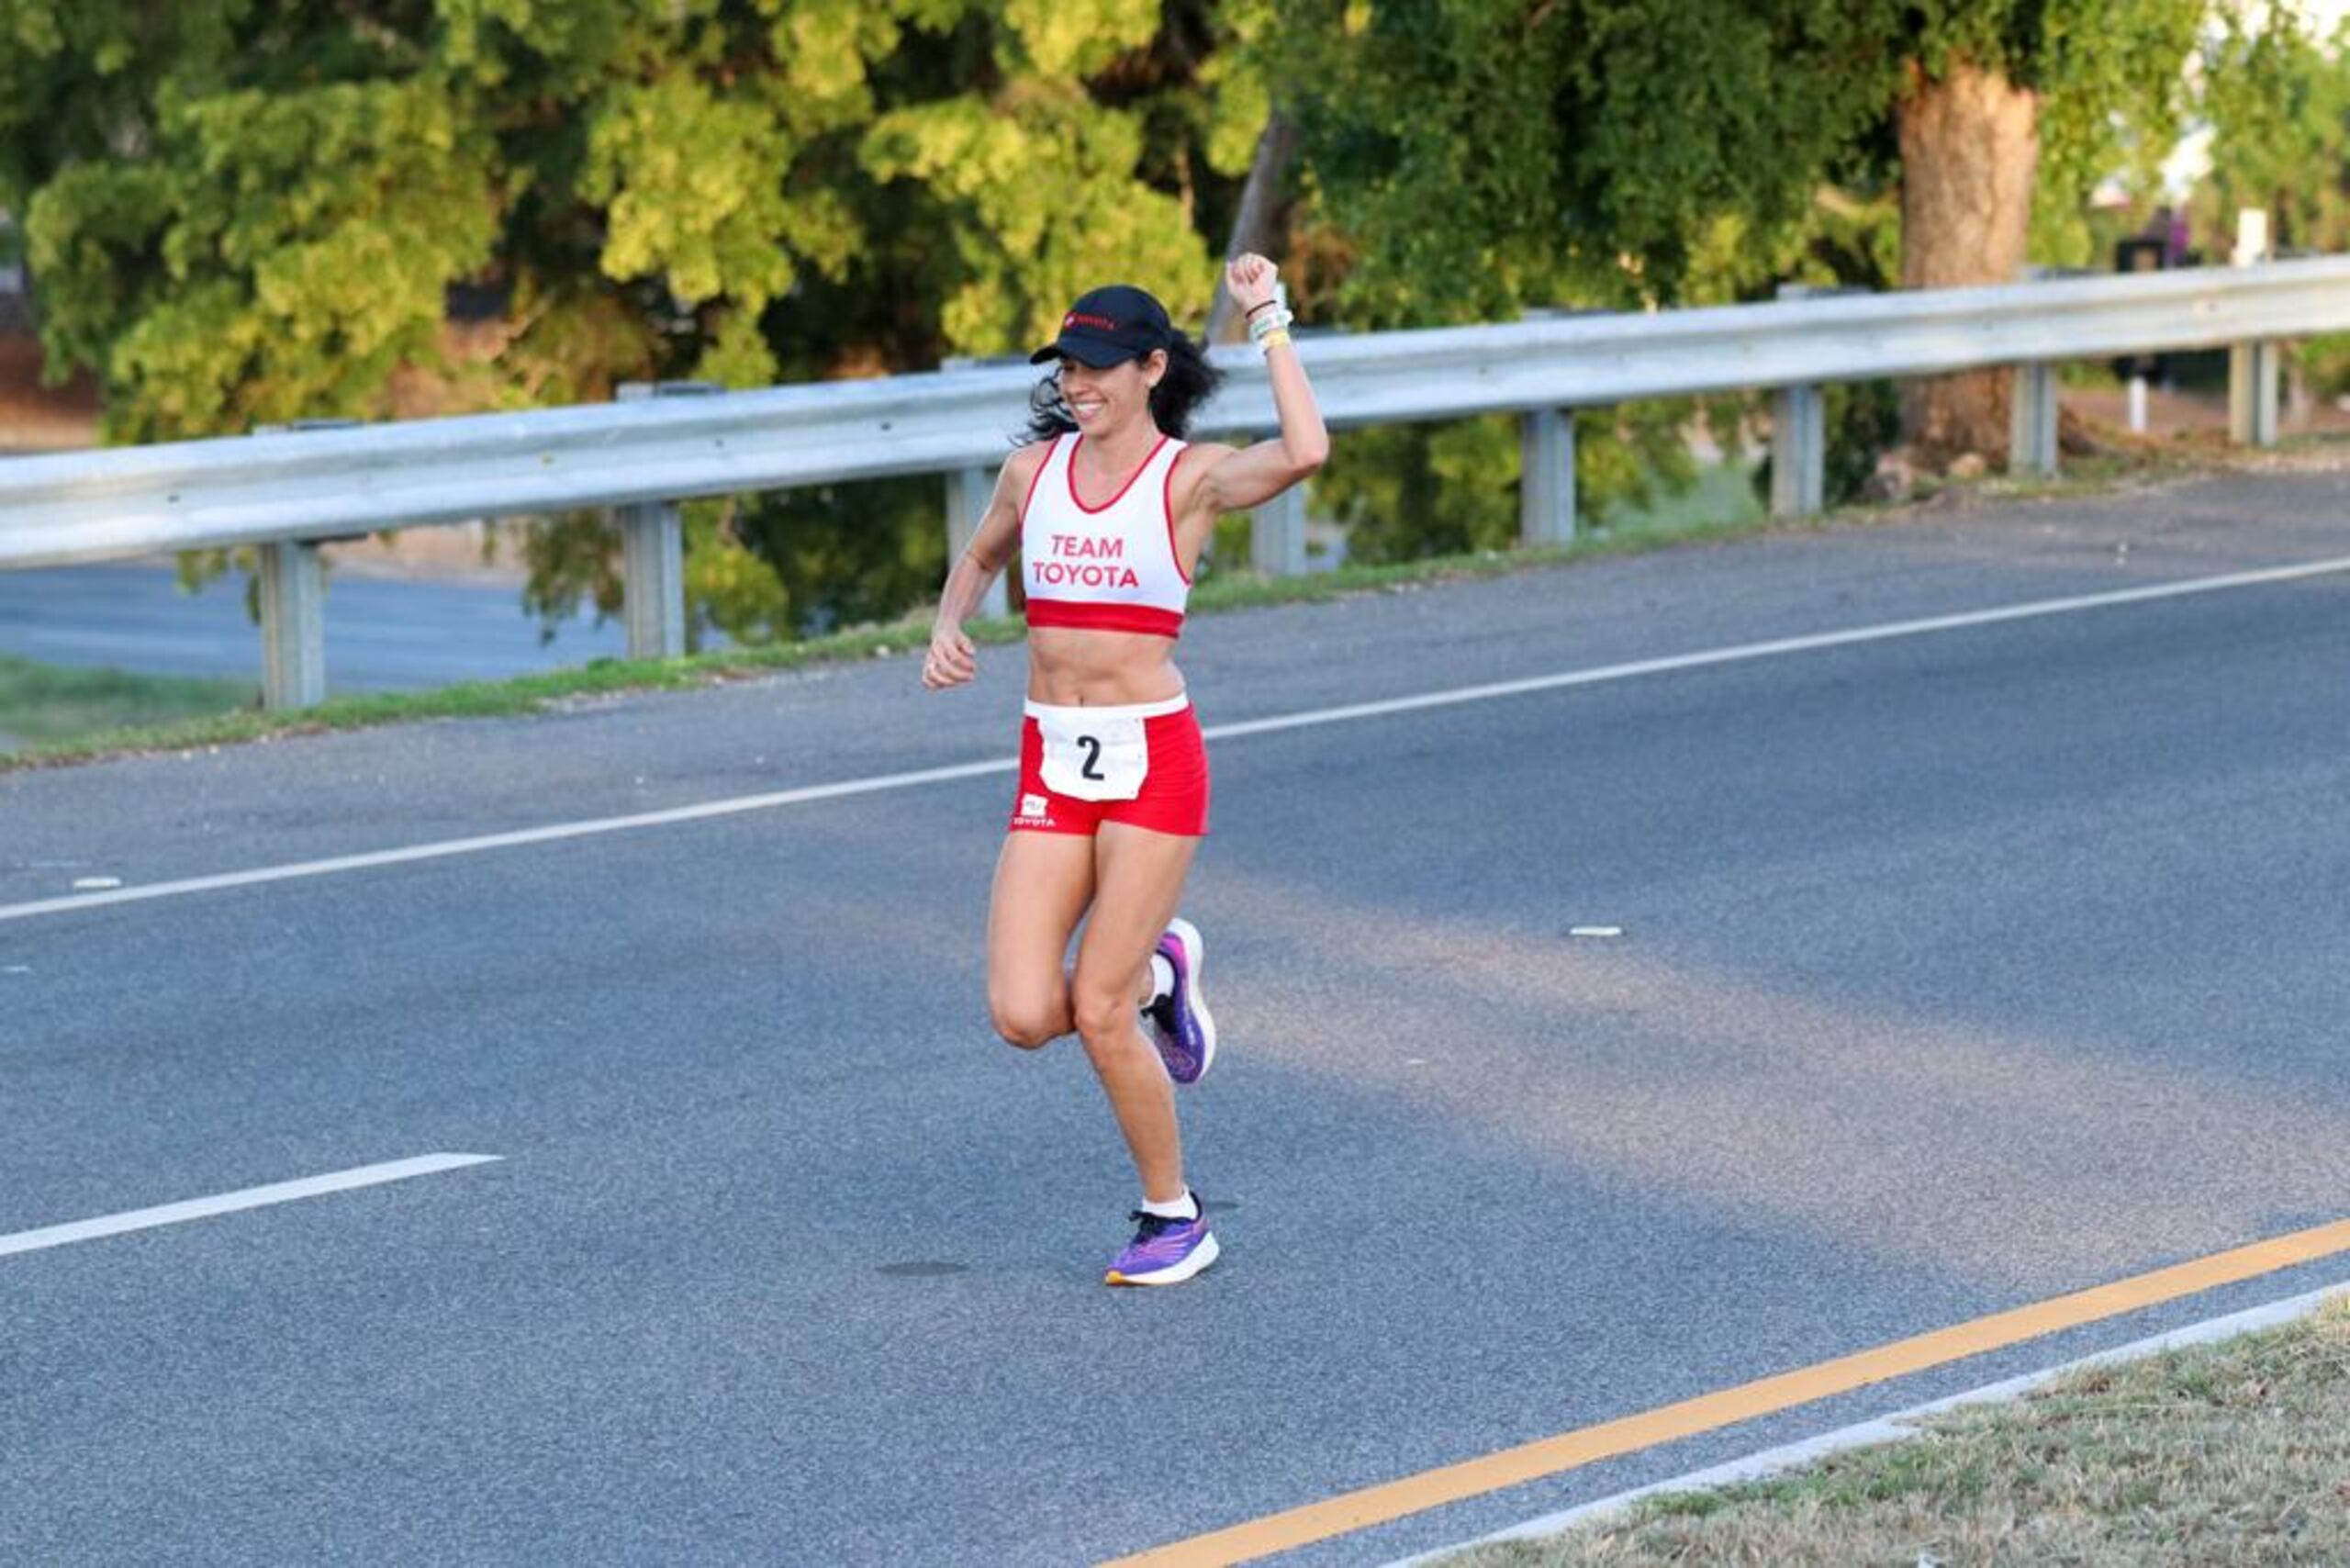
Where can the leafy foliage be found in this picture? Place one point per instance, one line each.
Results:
(2279, 102)
(1476, 157)
(1578, 154)
(242, 213)
(2279, 98)
(2113, 85)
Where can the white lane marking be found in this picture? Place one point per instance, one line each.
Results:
(230, 1202)
(1593, 677)
(506, 840)
(1781, 645)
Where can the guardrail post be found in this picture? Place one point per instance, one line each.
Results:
(2031, 441)
(1800, 432)
(967, 493)
(1277, 535)
(291, 586)
(2252, 367)
(293, 626)
(1798, 452)
(1546, 495)
(653, 550)
(2254, 370)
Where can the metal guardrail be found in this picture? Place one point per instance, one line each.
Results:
(643, 454)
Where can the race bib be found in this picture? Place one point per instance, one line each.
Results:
(1089, 758)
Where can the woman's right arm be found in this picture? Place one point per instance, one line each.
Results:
(953, 660)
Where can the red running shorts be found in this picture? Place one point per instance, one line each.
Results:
(1173, 795)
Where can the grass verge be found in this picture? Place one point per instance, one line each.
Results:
(50, 704)
(127, 732)
(534, 693)
(2237, 1451)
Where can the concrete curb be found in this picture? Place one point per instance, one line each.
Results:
(1892, 1428)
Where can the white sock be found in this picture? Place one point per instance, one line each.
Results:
(1162, 977)
(1184, 1207)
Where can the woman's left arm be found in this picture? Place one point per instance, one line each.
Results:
(1254, 474)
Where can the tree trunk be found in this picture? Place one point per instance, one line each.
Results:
(1259, 224)
(1970, 144)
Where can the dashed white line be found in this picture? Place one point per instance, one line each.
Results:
(230, 1202)
(1564, 680)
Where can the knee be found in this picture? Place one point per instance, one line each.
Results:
(1027, 1023)
(1105, 1016)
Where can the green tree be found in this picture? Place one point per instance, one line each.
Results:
(1593, 152)
(244, 213)
(2010, 108)
(2277, 98)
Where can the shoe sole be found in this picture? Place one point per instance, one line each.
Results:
(1206, 1252)
(1196, 946)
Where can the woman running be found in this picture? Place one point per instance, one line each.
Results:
(1107, 509)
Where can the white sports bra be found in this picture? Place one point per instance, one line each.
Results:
(1111, 567)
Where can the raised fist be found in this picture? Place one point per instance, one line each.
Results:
(1248, 278)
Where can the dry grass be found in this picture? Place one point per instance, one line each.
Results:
(2237, 1452)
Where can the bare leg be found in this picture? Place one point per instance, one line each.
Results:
(1043, 882)
(1139, 882)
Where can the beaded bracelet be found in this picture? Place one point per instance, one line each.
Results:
(1266, 344)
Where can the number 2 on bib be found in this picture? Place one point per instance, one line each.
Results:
(1106, 760)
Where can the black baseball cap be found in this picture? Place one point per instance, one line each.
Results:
(1110, 326)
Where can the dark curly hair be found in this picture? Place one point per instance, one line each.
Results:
(1190, 381)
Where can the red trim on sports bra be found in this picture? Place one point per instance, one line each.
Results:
(1033, 478)
(1113, 500)
(1090, 617)
(1166, 504)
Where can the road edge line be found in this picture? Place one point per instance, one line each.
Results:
(1896, 1427)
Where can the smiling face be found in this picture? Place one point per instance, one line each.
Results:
(1105, 400)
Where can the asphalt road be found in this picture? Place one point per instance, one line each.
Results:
(1958, 970)
(382, 635)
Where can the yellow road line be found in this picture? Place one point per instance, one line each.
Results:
(1550, 1456)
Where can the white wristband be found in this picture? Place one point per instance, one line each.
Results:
(1266, 322)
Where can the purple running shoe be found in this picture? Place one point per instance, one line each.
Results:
(1164, 1252)
(1181, 1026)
